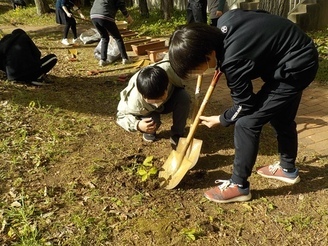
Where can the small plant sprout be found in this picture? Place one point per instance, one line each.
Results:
(189, 233)
(147, 169)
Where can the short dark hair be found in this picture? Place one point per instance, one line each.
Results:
(190, 44)
(152, 81)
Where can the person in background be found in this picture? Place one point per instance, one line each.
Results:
(152, 91)
(196, 11)
(216, 9)
(103, 14)
(64, 16)
(18, 3)
(21, 60)
(247, 45)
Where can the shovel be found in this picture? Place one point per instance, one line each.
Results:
(197, 94)
(181, 160)
(195, 145)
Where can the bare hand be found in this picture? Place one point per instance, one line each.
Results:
(219, 13)
(69, 15)
(82, 16)
(147, 125)
(210, 121)
(129, 19)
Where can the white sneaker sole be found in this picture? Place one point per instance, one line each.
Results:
(243, 198)
(286, 180)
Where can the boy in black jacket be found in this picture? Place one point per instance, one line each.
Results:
(247, 45)
(21, 60)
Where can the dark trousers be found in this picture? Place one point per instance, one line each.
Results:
(47, 63)
(106, 28)
(70, 24)
(179, 106)
(278, 104)
(196, 11)
(214, 22)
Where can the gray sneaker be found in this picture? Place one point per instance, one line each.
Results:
(149, 137)
(103, 63)
(126, 61)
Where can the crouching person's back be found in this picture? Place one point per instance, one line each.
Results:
(21, 60)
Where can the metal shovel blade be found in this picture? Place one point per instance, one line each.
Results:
(178, 162)
(177, 165)
(193, 151)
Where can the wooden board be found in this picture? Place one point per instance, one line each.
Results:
(134, 41)
(157, 54)
(140, 49)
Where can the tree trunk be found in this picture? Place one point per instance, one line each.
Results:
(167, 7)
(276, 7)
(86, 3)
(42, 7)
(143, 8)
(129, 3)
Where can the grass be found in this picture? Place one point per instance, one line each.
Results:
(70, 176)
(152, 26)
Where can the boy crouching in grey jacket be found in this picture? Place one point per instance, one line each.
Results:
(152, 91)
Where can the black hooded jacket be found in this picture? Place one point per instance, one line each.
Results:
(260, 45)
(19, 56)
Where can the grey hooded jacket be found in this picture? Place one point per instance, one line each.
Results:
(132, 105)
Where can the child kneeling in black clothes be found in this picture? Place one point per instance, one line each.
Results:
(21, 60)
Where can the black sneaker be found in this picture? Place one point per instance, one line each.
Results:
(40, 82)
(174, 140)
(148, 137)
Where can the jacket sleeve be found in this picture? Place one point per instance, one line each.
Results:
(129, 108)
(221, 5)
(238, 74)
(21, 56)
(127, 121)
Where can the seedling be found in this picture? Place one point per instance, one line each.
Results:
(147, 169)
(189, 233)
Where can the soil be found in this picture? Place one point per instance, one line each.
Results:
(95, 176)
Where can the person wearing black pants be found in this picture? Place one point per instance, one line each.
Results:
(216, 8)
(151, 92)
(247, 45)
(196, 11)
(64, 16)
(21, 59)
(103, 14)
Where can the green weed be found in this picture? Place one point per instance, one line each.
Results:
(146, 169)
(21, 222)
(190, 234)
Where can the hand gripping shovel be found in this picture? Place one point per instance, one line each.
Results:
(181, 160)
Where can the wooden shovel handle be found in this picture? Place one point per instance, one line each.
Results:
(215, 79)
(197, 94)
(199, 84)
